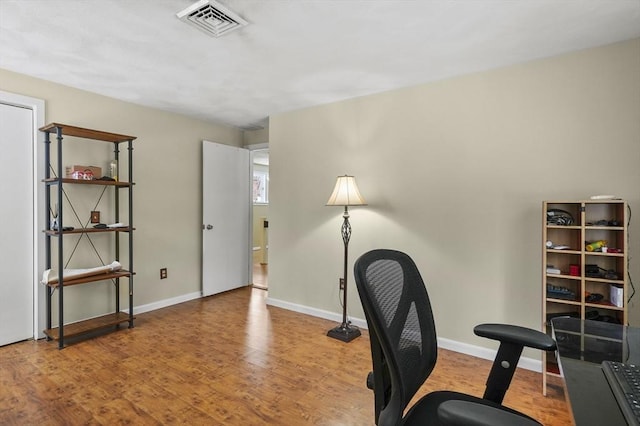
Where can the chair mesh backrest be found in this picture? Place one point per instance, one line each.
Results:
(399, 317)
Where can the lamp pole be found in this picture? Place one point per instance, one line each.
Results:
(346, 236)
(346, 194)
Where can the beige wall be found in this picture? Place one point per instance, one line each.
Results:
(455, 173)
(167, 194)
(254, 137)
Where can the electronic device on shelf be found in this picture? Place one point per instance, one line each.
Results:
(604, 197)
(594, 298)
(594, 271)
(558, 292)
(559, 217)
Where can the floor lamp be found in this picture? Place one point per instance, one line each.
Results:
(345, 194)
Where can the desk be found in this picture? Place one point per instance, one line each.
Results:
(582, 346)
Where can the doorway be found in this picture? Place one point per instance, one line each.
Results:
(260, 228)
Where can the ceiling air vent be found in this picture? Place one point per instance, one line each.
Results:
(211, 17)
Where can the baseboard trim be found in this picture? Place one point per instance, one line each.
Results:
(452, 345)
(166, 302)
(314, 312)
(485, 353)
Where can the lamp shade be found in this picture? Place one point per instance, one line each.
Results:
(346, 193)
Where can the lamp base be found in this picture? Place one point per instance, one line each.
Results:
(344, 332)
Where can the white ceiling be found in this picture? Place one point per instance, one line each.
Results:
(293, 54)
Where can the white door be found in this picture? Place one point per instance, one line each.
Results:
(226, 201)
(16, 217)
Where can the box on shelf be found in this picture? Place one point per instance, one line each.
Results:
(616, 296)
(83, 172)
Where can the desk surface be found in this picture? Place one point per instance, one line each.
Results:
(582, 346)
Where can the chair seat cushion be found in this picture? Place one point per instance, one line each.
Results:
(425, 411)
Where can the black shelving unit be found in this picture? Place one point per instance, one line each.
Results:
(56, 185)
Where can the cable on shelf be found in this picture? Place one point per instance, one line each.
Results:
(633, 288)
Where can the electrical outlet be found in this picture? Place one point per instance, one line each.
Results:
(163, 273)
(341, 283)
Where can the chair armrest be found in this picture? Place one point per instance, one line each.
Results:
(517, 335)
(465, 413)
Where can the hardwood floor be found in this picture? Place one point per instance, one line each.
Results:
(261, 276)
(223, 360)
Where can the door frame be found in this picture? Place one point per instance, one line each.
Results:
(37, 106)
(251, 148)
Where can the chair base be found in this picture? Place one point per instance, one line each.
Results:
(344, 332)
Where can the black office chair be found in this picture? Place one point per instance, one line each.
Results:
(404, 350)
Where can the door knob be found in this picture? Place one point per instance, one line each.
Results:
(209, 227)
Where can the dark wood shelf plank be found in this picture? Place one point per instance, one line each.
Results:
(81, 132)
(53, 233)
(86, 326)
(55, 181)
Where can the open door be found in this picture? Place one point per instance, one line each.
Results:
(226, 218)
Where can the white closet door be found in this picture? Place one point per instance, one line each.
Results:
(16, 222)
